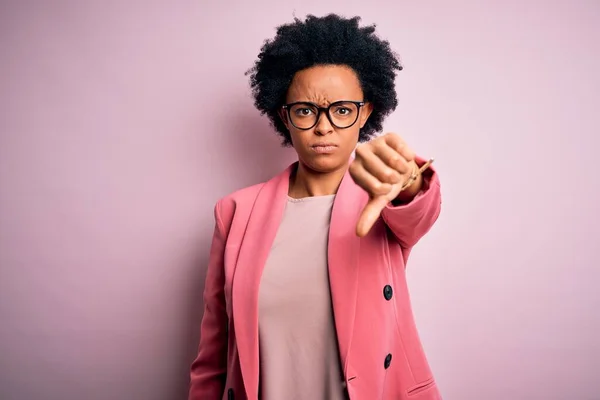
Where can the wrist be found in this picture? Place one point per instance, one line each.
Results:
(412, 177)
(411, 187)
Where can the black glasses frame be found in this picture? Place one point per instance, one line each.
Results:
(321, 110)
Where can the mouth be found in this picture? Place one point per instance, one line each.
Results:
(324, 148)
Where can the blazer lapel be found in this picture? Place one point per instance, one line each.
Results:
(343, 253)
(263, 224)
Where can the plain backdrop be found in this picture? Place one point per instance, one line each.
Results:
(122, 123)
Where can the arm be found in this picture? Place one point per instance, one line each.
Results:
(209, 369)
(413, 213)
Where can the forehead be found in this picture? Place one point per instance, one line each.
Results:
(325, 84)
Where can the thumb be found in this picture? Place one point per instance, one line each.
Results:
(370, 214)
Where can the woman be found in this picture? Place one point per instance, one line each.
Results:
(306, 293)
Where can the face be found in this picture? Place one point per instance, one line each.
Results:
(324, 147)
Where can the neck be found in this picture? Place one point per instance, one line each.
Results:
(305, 182)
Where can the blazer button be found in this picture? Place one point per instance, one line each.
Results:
(388, 361)
(388, 292)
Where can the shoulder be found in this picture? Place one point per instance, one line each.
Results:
(235, 208)
(245, 196)
(238, 202)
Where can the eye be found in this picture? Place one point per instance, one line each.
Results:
(303, 111)
(343, 111)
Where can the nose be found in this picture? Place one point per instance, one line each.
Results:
(324, 126)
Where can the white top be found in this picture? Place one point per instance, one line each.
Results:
(299, 356)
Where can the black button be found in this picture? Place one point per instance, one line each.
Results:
(388, 361)
(230, 394)
(387, 292)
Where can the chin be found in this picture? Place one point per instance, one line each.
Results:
(326, 164)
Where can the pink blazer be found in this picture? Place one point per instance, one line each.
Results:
(380, 350)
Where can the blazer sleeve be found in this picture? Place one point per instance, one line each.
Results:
(209, 369)
(410, 222)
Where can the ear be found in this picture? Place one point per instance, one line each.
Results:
(284, 117)
(365, 113)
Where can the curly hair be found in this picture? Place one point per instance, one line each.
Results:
(329, 40)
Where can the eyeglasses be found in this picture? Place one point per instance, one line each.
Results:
(342, 114)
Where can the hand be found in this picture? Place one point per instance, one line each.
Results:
(381, 168)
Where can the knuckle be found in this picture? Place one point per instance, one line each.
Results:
(352, 170)
(395, 160)
(401, 161)
(378, 188)
(360, 150)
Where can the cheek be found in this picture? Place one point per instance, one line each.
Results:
(351, 137)
(299, 138)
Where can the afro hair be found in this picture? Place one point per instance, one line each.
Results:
(329, 40)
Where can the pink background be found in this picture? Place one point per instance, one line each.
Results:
(121, 124)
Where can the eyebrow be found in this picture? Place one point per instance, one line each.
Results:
(320, 104)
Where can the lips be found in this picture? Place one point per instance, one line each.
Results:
(324, 148)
